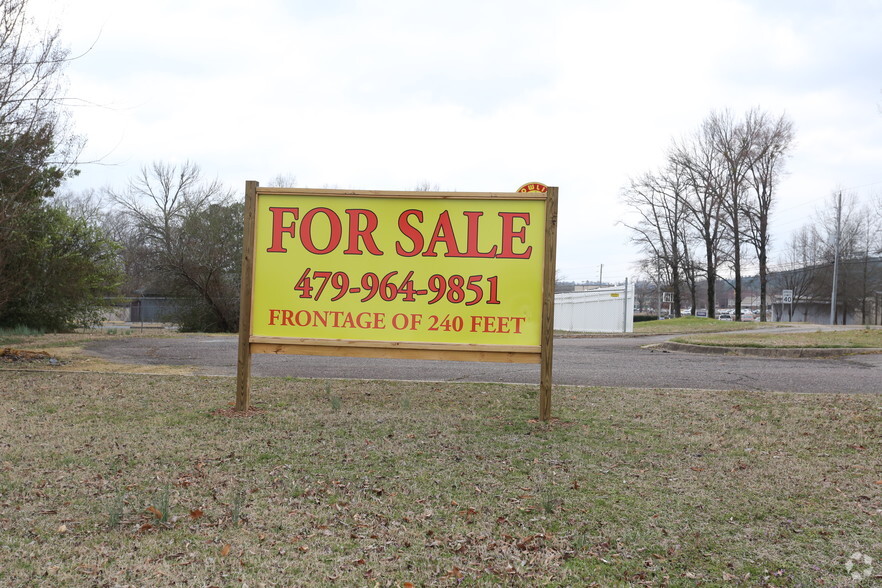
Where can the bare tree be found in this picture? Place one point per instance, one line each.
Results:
(426, 186)
(691, 270)
(772, 142)
(854, 241)
(877, 215)
(704, 196)
(800, 266)
(658, 200)
(189, 231)
(734, 143)
(33, 122)
(287, 180)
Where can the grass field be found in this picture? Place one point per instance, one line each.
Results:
(144, 480)
(854, 338)
(691, 324)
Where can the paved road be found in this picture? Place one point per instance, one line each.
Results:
(603, 361)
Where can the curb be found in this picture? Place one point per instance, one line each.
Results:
(792, 353)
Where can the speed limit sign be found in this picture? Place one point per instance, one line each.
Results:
(787, 296)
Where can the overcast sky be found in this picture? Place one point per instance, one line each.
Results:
(474, 95)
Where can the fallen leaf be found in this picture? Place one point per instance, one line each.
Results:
(62, 529)
(196, 514)
(225, 550)
(155, 512)
(696, 469)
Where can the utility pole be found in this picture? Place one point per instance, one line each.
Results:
(836, 260)
(601, 275)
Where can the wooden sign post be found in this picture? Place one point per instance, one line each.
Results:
(411, 275)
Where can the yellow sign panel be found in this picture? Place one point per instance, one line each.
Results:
(398, 267)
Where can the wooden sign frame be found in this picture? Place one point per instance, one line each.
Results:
(249, 343)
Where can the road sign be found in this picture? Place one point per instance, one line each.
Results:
(667, 296)
(787, 296)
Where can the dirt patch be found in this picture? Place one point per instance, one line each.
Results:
(231, 412)
(11, 355)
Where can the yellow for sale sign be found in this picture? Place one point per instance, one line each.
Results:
(410, 275)
(399, 267)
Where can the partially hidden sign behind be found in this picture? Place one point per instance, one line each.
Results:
(533, 187)
(403, 269)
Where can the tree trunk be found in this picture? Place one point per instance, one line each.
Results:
(711, 282)
(737, 239)
(763, 276)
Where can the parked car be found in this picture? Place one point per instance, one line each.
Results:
(725, 316)
(702, 312)
(747, 315)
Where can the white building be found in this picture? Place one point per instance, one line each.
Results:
(602, 310)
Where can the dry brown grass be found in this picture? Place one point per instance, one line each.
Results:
(691, 324)
(67, 349)
(133, 480)
(851, 338)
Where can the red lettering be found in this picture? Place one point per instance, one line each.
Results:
(476, 321)
(489, 324)
(302, 318)
(287, 318)
(410, 232)
(472, 233)
(443, 233)
(518, 321)
(368, 320)
(356, 232)
(509, 235)
(511, 231)
(306, 231)
(497, 324)
(279, 227)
